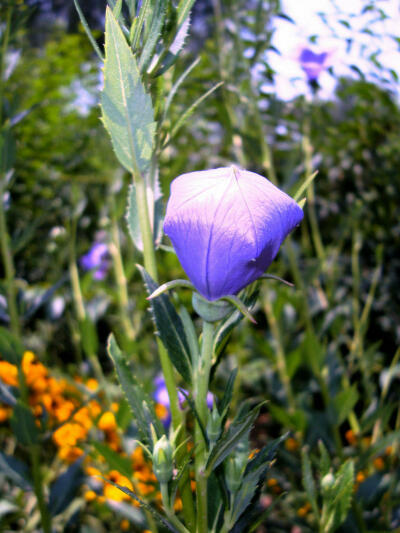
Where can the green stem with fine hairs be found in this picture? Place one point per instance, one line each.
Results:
(177, 416)
(201, 379)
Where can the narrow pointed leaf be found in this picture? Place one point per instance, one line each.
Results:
(226, 400)
(169, 328)
(308, 481)
(157, 22)
(133, 392)
(126, 107)
(87, 30)
(230, 439)
(145, 505)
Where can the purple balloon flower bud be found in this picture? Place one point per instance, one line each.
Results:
(96, 259)
(226, 226)
(313, 64)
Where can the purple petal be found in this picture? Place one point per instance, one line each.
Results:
(226, 226)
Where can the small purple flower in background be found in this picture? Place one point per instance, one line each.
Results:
(313, 64)
(161, 398)
(226, 226)
(96, 259)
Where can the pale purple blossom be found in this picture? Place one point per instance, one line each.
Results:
(226, 226)
(97, 260)
(313, 64)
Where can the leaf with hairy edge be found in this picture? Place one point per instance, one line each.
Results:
(254, 476)
(226, 399)
(132, 220)
(338, 500)
(133, 393)
(127, 110)
(169, 328)
(308, 481)
(230, 439)
(157, 21)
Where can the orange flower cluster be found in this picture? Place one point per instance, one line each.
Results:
(70, 415)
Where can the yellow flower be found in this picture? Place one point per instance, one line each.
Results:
(124, 525)
(90, 495)
(107, 422)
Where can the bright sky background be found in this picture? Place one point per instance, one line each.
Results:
(290, 38)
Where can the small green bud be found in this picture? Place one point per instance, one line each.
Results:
(327, 482)
(233, 474)
(214, 426)
(163, 460)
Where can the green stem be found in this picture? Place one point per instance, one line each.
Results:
(201, 379)
(38, 488)
(120, 278)
(4, 236)
(280, 353)
(169, 511)
(9, 270)
(177, 415)
(79, 305)
(312, 214)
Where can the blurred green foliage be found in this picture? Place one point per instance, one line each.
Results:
(336, 333)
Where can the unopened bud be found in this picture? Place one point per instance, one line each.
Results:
(327, 481)
(162, 460)
(214, 426)
(233, 474)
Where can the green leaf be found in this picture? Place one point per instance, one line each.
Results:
(230, 439)
(169, 328)
(340, 497)
(126, 107)
(132, 219)
(344, 402)
(177, 84)
(114, 460)
(23, 425)
(308, 481)
(325, 461)
(184, 116)
(15, 470)
(87, 30)
(227, 397)
(184, 8)
(134, 393)
(90, 342)
(64, 489)
(296, 420)
(11, 348)
(157, 21)
(148, 507)
(190, 332)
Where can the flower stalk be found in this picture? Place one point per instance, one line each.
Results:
(201, 383)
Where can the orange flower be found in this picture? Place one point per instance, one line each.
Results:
(69, 434)
(32, 368)
(5, 413)
(8, 373)
(69, 454)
